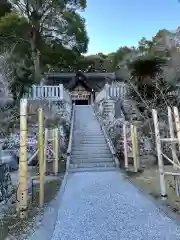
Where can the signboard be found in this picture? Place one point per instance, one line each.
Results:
(80, 95)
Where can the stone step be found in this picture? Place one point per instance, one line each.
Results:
(92, 165)
(91, 138)
(97, 133)
(96, 151)
(88, 145)
(91, 160)
(78, 141)
(93, 169)
(80, 147)
(95, 140)
(95, 157)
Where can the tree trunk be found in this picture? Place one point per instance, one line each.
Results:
(35, 57)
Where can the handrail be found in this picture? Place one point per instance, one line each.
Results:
(108, 140)
(70, 138)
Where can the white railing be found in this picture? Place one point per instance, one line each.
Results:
(118, 90)
(46, 92)
(174, 93)
(103, 94)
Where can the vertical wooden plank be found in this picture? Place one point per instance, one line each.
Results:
(173, 145)
(22, 192)
(53, 149)
(125, 146)
(41, 156)
(137, 147)
(45, 147)
(160, 159)
(56, 150)
(134, 153)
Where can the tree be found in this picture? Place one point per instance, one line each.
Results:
(119, 55)
(145, 72)
(5, 7)
(53, 20)
(145, 46)
(14, 31)
(22, 79)
(55, 56)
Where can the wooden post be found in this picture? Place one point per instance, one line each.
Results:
(53, 149)
(173, 145)
(134, 148)
(177, 122)
(56, 150)
(125, 147)
(41, 156)
(22, 192)
(160, 159)
(137, 147)
(45, 147)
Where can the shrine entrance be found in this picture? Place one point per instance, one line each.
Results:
(81, 102)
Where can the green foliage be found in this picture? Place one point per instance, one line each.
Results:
(5, 7)
(146, 67)
(53, 20)
(53, 25)
(120, 54)
(57, 57)
(145, 74)
(22, 78)
(14, 32)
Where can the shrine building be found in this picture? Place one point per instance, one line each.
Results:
(83, 87)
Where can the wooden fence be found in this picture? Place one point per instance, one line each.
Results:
(134, 150)
(43, 137)
(174, 141)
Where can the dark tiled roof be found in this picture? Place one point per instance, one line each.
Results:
(94, 81)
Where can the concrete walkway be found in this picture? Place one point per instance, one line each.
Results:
(99, 204)
(103, 205)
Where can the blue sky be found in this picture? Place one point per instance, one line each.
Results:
(115, 23)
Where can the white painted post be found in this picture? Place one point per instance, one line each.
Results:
(61, 92)
(39, 91)
(160, 159)
(42, 91)
(125, 147)
(34, 92)
(53, 92)
(45, 92)
(173, 145)
(56, 92)
(107, 89)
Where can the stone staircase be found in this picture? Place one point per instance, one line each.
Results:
(89, 147)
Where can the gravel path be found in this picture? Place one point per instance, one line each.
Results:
(103, 205)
